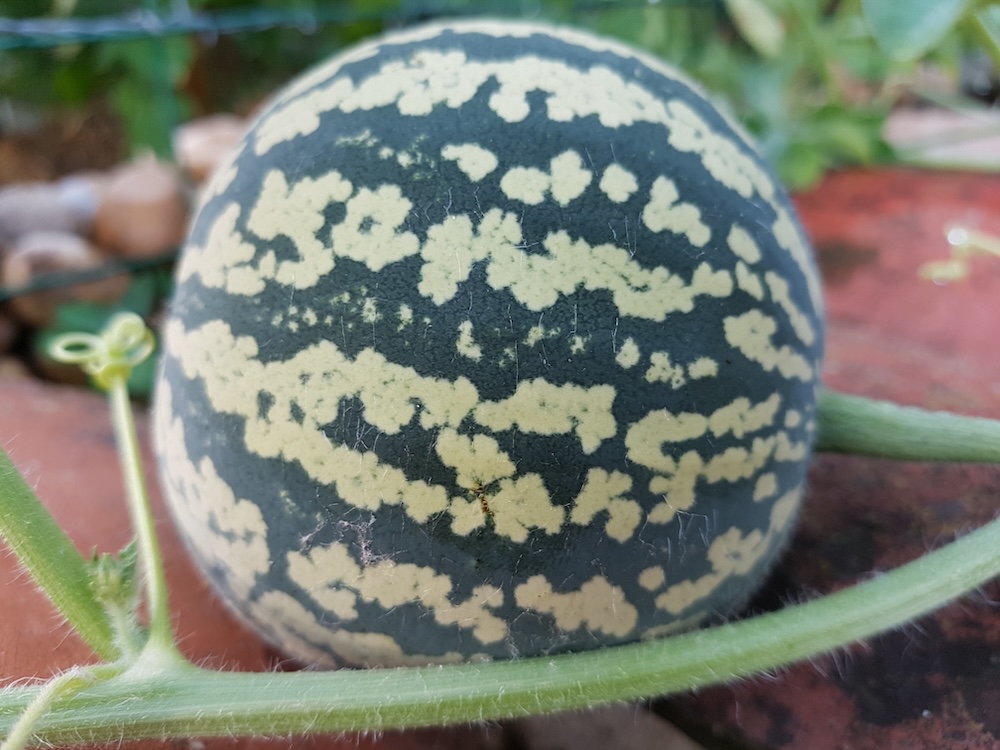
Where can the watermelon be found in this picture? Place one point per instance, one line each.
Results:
(490, 340)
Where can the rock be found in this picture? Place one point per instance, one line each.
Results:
(143, 211)
(68, 205)
(41, 253)
(201, 144)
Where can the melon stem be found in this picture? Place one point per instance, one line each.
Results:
(881, 429)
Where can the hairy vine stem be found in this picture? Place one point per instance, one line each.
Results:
(168, 697)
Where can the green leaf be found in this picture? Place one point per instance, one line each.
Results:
(50, 557)
(758, 25)
(802, 165)
(906, 29)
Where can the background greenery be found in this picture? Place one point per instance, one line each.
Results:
(813, 79)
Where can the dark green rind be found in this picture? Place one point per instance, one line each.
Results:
(317, 517)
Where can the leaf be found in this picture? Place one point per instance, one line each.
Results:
(48, 554)
(802, 165)
(758, 25)
(906, 29)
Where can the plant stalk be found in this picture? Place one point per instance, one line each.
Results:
(191, 702)
(881, 429)
(47, 553)
(157, 601)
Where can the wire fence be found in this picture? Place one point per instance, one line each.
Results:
(149, 24)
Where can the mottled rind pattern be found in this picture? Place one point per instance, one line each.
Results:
(490, 340)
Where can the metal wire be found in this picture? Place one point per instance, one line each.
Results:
(143, 24)
(63, 279)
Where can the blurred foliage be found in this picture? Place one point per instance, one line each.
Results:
(813, 80)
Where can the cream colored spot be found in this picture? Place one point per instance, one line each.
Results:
(474, 160)
(737, 463)
(751, 334)
(597, 605)
(372, 234)
(607, 492)
(536, 280)
(664, 212)
(743, 245)
(789, 237)
(369, 311)
(541, 408)
(677, 487)
(223, 262)
(316, 380)
(748, 281)
(452, 247)
(628, 355)
(677, 478)
(739, 417)
(662, 370)
(228, 534)
(518, 505)
(332, 577)
(296, 211)
(766, 487)
(538, 333)
(566, 180)
(476, 459)
(787, 450)
(780, 293)
(703, 367)
(466, 344)
(578, 344)
(522, 504)
(618, 183)
(732, 554)
(793, 419)
(371, 231)
(405, 316)
(724, 159)
(525, 184)
(306, 392)
(301, 633)
(652, 578)
(433, 78)
(221, 178)
(569, 177)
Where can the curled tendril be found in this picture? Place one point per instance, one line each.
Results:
(110, 355)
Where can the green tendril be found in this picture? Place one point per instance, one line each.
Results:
(110, 356)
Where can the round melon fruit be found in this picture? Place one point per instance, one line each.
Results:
(490, 340)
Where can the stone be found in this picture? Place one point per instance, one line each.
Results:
(38, 254)
(143, 211)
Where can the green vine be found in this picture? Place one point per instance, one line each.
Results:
(169, 697)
